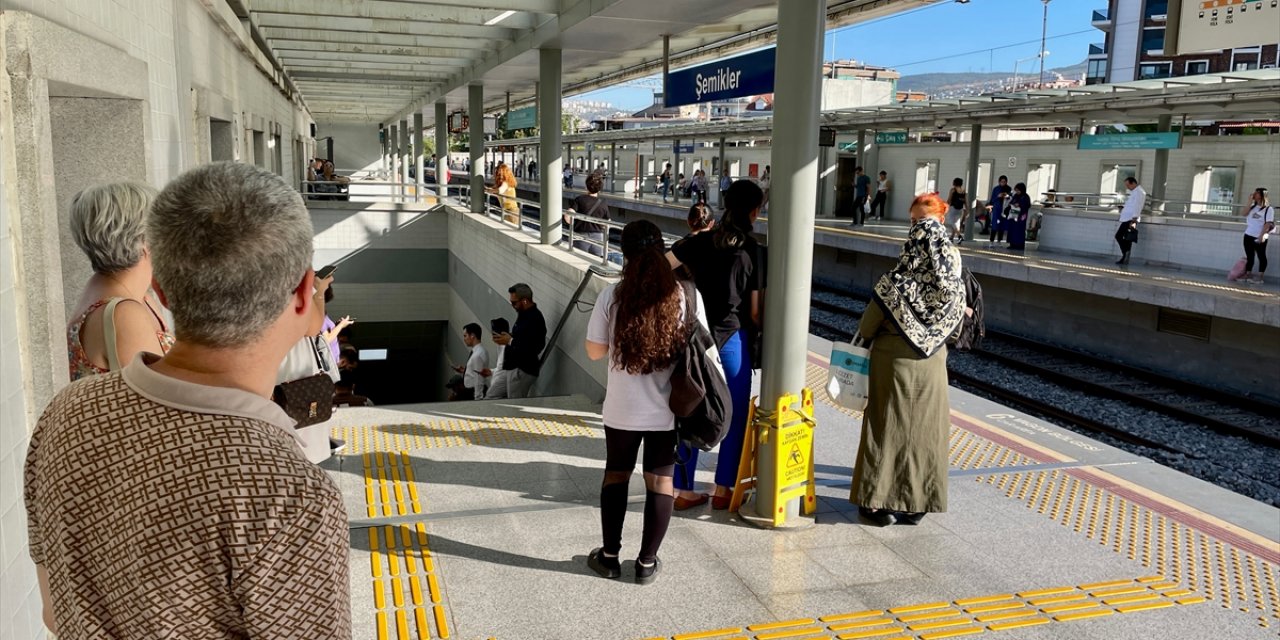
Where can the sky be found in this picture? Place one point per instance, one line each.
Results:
(982, 35)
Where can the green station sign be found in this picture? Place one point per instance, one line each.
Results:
(1104, 142)
(522, 118)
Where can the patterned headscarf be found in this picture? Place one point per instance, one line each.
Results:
(924, 294)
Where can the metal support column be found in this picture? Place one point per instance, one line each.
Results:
(442, 148)
(1160, 168)
(475, 143)
(404, 158)
(862, 150)
(591, 158)
(675, 175)
(419, 155)
(971, 185)
(550, 161)
(384, 140)
(795, 171)
(724, 171)
(613, 166)
(393, 150)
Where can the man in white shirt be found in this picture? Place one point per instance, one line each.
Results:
(1130, 214)
(473, 379)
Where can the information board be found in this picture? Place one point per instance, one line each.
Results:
(1162, 140)
(891, 137)
(747, 75)
(522, 118)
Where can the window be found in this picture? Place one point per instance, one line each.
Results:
(1098, 70)
(926, 176)
(1041, 177)
(1213, 189)
(1153, 70)
(1153, 40)
(1156, 9)
(984, 179)
(1113, 176)
(1245, 59)
(1197, 67)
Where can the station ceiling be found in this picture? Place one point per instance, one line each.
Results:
(383, 60)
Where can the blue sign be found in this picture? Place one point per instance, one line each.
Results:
(747, 75)
(685, 147)
(1162, 140)
(522, 118)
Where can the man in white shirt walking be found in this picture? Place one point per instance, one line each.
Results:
(1127, 233)
(473, 378)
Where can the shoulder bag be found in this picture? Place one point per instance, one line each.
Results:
(700, 396)
(308, 400)
(849, 374)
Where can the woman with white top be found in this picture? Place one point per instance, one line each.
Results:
(1260, 221)
(639, 323)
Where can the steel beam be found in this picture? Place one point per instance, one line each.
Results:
(371, 25)
(385, 10)
(444, 62)
(374, 39)
(312, 46)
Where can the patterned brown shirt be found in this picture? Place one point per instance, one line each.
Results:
(166, 509)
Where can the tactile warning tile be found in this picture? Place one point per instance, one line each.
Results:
(389, 485)
(1188, 557)
(406, 596)
(969, 451)
(459, 432)
(970, 616)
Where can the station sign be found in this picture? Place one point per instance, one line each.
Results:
(891, 137)
(684, 147)
(522, 118)
(1109, 141)
(747, 75)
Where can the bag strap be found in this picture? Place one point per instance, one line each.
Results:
(109, 333)
(595, 207)
(317, 343)
(690, 307)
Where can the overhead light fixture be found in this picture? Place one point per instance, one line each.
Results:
(499, 18)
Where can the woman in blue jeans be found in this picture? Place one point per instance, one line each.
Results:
(725, 270)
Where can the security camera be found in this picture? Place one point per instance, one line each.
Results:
(940, 123)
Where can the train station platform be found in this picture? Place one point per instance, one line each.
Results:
(473, 520)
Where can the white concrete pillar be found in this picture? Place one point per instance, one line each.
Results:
(419, 158)
(550, 160)
(442, 147)
(475, 109)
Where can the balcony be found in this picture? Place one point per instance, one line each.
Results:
(1102, 19)
(1098, 50)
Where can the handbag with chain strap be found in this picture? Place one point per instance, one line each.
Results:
(308, 400)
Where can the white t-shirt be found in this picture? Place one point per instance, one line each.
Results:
(1133, 205)
(472, 379)
(1257, 220)
(634, 402)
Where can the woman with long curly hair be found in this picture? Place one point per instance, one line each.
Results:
(901, 469)
(727, 268)
(504, 185)
(639, 323)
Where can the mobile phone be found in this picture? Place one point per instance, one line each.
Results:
(325, 272)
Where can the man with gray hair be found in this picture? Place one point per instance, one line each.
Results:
(170, 498)
(522, 355)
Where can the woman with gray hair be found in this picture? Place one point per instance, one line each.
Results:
(120, 315)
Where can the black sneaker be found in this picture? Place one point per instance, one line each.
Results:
(645, 575)
(878, 517)
(605, 566)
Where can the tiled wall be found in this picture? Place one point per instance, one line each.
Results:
(1193, 245)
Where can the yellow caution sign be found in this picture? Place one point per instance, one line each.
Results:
(793, 466)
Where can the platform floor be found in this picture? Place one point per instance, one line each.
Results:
(473, 521)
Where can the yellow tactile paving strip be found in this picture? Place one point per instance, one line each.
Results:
(407, 595)
(971, 616)
(461, 432)
(389, 486)
(1236, 578)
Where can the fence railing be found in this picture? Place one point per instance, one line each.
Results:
(1109, 202)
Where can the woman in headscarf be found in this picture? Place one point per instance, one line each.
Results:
(901, 469)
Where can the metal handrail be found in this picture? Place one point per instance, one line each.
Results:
(1107, 202)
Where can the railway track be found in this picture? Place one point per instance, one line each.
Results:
(1219, 411)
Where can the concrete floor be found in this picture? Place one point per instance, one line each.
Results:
(510, 514)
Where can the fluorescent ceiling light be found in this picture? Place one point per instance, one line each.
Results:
(500, 17)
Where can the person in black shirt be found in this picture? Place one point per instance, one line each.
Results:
(589, 236)
(725, 270)
(523, 353)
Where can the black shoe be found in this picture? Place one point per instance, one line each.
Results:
(645, 575)
(909, 518)
(606, 567)
(878, 517)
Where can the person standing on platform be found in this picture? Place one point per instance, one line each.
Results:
(1259, 224)
(497, 377)
(725, 182)
(995, 211)
(902, 462)
(170, 498)
(664, 181)
(1130, 215)
(861, 188)
(766, 183)
(640, 323)
(478, 361)
(522, 359)
(957, 210)
(591, 235)
(724, 265)
(1016, 217)
(883, 185)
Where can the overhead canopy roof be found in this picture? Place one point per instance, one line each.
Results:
(382, 60)
(1239, 95)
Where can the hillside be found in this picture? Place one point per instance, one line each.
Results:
(943, 84)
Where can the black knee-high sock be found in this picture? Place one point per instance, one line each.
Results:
(657, 516)
(613, 511)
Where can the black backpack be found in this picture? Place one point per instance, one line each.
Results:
(700, 396)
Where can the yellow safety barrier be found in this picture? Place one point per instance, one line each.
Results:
(792, 430)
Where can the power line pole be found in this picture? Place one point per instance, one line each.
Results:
(1044, 28)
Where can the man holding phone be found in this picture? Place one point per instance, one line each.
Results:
(523, 354)
(497, 377)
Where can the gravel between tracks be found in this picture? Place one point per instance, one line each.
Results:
(1229, 462)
